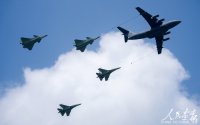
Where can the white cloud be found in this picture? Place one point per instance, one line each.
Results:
(142, 92)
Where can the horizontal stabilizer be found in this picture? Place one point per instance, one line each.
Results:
(99, 76)
(62, 112)
(125, 33)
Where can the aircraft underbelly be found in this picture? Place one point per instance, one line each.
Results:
(29, 43)
(156, 32)
(139, 36)
(81, 46)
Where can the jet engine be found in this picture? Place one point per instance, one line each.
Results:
(154, 17)
(167, 33)
(166, 39)
(160, 21)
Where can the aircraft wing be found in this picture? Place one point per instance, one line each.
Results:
(159, 43)
(102, 70)
(23, 39)
(29, 46)
(107, 76)
(62, 113)
(68, 112)
(152, 20)
(78, 42)
(82, 49)
(63, 106)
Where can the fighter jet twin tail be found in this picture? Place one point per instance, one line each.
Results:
(103, 73)
(66, 109)
(158, 31)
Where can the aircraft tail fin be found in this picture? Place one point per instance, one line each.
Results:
(125, 33)
(99, 76)
(62, 112)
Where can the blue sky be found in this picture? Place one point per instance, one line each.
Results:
(66, 20)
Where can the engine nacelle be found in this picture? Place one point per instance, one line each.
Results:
(167, 33)
(161, 20)
(156, 16)
(166, 39)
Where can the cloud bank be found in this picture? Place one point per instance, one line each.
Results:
(142, 92)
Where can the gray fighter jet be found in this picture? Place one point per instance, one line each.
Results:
(82, 44)
(158, 29)
(29, 42)
(66, 109)
(103, 73)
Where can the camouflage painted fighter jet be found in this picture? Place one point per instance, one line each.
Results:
(66, 109)
(82, 44)
(158, 29)
(29, 42)
(103, 73)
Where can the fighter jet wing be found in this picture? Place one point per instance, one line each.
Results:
(29, 46)
(62, 113)
(152, 20)
(102, 70)
(159, 43)
(63, 106)
(82, 49)
(68, 112)
(107, 76)
(78, 42)
(23, 39)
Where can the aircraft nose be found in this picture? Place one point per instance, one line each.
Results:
(177, 22)
(117, 68)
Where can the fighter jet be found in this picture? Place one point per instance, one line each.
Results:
(158, 29)
(81, 44)
(103, 73)
(29, 42)
(66, 109)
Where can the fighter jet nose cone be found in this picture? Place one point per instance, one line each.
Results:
(177, 22)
